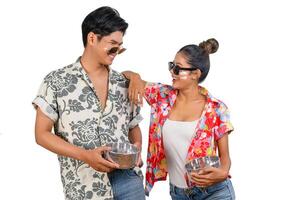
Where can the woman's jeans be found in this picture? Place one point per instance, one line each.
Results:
(126, 185)
(219, 191)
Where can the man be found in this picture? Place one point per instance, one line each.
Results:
(87, 104)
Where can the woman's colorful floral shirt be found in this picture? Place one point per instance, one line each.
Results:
(213, 124)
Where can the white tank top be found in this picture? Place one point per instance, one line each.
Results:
(177, 136)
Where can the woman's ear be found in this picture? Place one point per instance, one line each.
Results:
(196, 74)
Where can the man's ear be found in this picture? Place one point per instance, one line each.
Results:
(91, 38)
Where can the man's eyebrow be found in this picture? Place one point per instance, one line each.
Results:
(115, 42)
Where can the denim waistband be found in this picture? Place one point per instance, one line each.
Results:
(196, 189)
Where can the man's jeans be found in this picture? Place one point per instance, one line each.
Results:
(127, 185)
(220, 191)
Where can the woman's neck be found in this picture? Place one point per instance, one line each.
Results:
(189, 94)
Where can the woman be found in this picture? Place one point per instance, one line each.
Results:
(187, 122)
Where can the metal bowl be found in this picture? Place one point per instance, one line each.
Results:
(124, 154)
(200, 163)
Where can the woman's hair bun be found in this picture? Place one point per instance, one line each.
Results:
(210, 45)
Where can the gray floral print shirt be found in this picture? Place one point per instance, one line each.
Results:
(68, 97)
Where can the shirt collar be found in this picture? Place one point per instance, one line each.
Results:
(79, 71)
(205, 92)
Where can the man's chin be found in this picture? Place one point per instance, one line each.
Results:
(109, 62)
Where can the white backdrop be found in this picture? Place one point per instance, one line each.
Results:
(255, 72)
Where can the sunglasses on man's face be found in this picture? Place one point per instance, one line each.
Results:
(176, 68)
(113, 50)
(117, 50)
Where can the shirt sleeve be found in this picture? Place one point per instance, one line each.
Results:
(223, 124)
(155, 91)
(136, 117)
(46, 100)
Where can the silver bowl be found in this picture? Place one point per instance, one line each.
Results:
(124, 154)
(200, 163)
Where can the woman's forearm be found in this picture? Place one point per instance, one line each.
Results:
(132, 75)
(224, 155)
(136, 87)
(225, 163)
(129, 74)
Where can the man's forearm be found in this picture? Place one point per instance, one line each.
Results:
(135, 136)
(57, 145)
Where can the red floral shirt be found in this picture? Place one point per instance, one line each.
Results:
(213, 124)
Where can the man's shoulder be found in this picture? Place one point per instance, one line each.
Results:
(61, 73)
(65, 69)
(118, 78)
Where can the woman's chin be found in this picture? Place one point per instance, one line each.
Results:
(175, 85)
